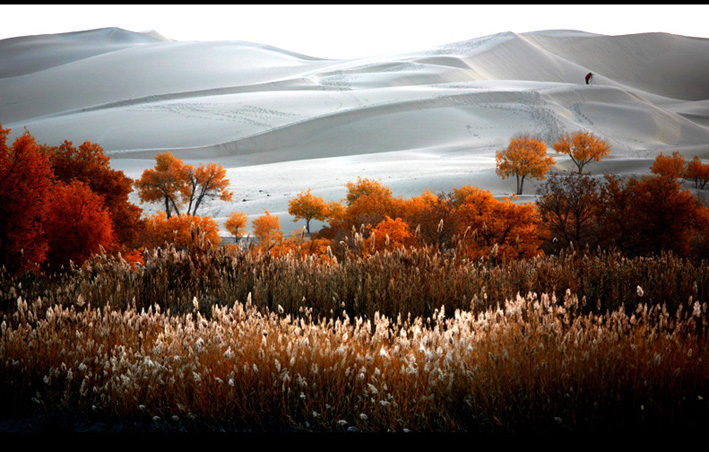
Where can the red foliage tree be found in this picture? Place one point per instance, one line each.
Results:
(26, 180)
(78, 225)
(698, 172)
(650, 215)
(89, 164)
(568, 205)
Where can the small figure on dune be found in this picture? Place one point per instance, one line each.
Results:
(589, 77)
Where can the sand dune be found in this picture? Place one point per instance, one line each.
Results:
(283, 122)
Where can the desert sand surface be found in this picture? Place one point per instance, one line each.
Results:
(282, 122)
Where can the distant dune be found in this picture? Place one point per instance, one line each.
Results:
(282, 122)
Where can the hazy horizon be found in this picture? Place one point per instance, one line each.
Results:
(353, 31)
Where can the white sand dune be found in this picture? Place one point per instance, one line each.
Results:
(283, 122)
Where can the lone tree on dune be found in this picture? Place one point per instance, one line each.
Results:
(307, 207)
(163, 183)
(525, 156)
(205, 181)
(177, 184)
(583, 148)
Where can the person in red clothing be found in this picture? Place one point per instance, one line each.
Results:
(589, 76)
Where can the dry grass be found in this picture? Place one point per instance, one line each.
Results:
(342, 346)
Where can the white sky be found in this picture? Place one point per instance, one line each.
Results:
(351, 30)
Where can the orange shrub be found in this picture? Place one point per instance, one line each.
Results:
(182, 231)
(388, 235)
(487, 226)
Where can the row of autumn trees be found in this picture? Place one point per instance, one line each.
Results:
(526, 156)
(637, 216)
(64, 204)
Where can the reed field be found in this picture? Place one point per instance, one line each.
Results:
(403, 341)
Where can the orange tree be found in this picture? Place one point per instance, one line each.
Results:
(669, 166)
(267, 230)
(697, 172)
(177, 184)
(203, 182)
(26, 181)
(583, 148)
(307, 207)
(236, 224)
(365, 187)
(503, 229)
(163, 183)
(525, 156)
(367, 203)
(431, 218)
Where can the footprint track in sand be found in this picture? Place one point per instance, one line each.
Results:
(250, 114)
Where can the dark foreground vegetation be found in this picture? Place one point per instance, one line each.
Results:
(398, 341)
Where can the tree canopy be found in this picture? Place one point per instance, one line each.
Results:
(525, 156)
(176, 184)
(583, 148)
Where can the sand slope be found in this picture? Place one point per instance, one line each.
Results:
(283, 122)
